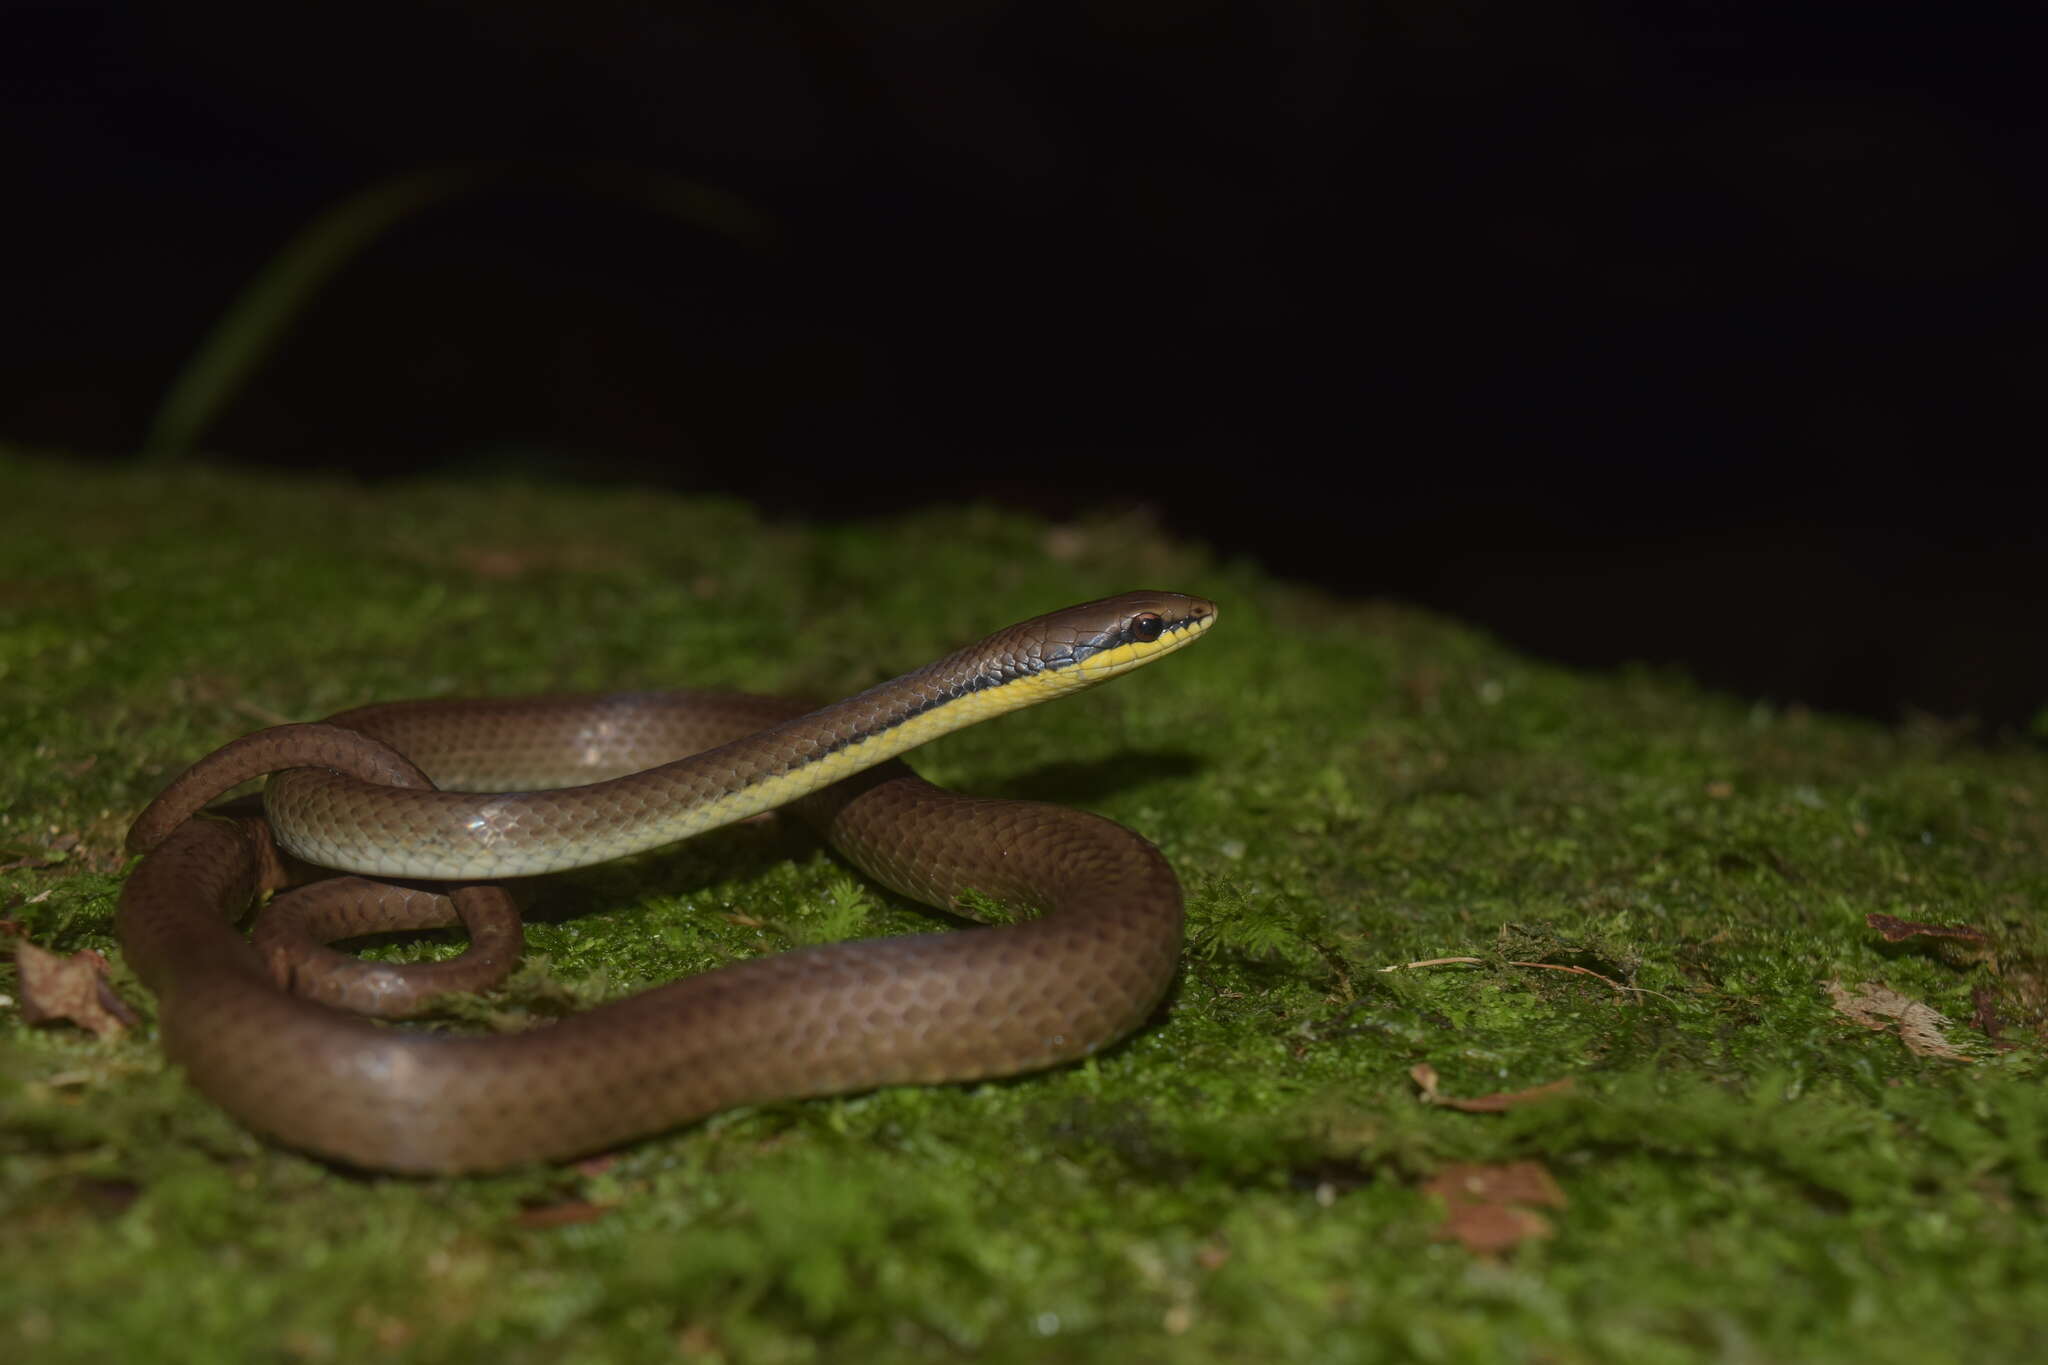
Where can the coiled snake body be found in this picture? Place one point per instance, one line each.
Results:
(468, 791)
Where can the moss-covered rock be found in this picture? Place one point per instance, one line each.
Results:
(1404, 846)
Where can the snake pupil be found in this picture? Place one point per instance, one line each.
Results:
(1146, 626)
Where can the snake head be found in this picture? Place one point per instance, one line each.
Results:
(1095, 641)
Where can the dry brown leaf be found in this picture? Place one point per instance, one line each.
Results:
(1924, 1031)
(1895, 929)
(1425, 1078)
(1490, 1229)
(1492, 1209)
(564, 1214)
(73, 988)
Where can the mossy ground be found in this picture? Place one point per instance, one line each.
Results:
(1343, 787)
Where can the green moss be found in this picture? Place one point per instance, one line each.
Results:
(1344, 787)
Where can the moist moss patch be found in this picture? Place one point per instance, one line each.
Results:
(1511, 1025)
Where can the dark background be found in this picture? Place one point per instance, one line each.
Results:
(1707, 334)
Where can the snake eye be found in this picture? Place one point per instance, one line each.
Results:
(1146, 626)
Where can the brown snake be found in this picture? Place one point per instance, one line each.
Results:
(571, 781)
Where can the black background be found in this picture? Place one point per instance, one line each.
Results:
(1709, 334)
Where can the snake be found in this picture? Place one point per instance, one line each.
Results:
(460, 795)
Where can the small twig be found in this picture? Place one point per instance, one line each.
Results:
(1545, 966)
(260, 712)
(1582, 971)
